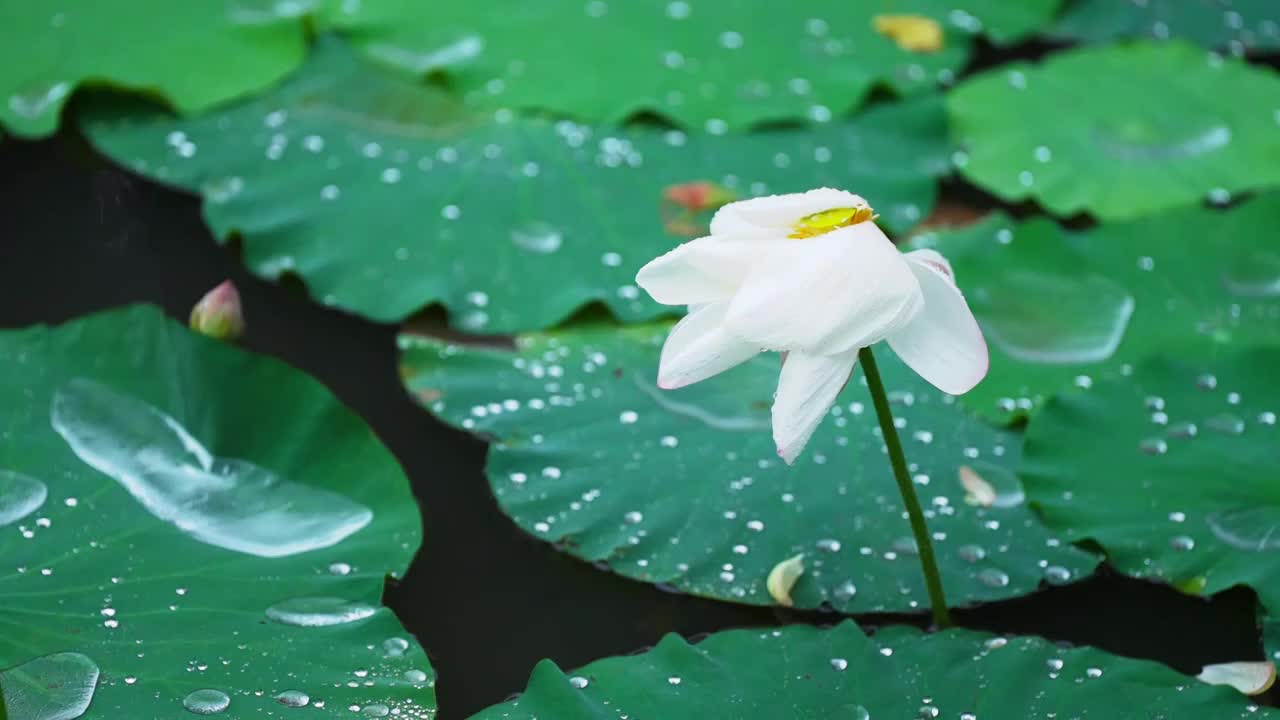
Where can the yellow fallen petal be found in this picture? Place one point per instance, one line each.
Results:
(1250, 678)
(977, 491)
(913, 33)
(783, 577)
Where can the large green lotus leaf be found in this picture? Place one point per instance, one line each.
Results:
(385, 198)
(807, 673)
(1172, 469)
(181, 516)
(194, 55)
(1060, 309)
(714, 64)
(685, 488)
(1151, 126)
(1241, 25)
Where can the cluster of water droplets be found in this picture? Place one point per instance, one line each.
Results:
(720, 531)
(1239, 33)
(386, 670)
(1232, 419)
(326, 138)
(1179, 429)
(701, 67)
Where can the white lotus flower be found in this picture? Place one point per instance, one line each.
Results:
(812, 276)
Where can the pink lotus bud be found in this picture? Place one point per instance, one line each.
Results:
(218, 314)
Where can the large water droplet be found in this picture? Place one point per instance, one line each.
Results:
(1074, 319)
(1140, 141)
(206, 702)
(376, 710)
(293, 698)
(1255, 274)
(37, 101)
(20, 495)
(537, 237)
(1256, 529)
(395, 647)
(845, 591)
(728, 411)
(1057, 575)
(448, 51)
(1153, 446)
(905, 546)
(319, 611)
(231, 503)
(1226, 423)
(993, 577)
(53, 687)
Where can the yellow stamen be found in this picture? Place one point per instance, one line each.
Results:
(828, 220)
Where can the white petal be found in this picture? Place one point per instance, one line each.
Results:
(807, 388)
(698, 347)
(943, 344)
(828, 294)
(779, 212)
(934, 258)
(1250, 678)
(702, 270)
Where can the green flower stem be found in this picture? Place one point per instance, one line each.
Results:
(932, 580)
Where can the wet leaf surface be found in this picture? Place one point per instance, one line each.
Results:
(805, 672)
(1062, 309)
(1171, 470)
(192, 55)
(1151, 126)
(191, 526)
(685, 488)
(380, 193)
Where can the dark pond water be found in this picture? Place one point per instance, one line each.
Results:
(486, 601)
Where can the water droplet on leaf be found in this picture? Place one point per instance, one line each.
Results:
(293, 698)
(20, 495)
(206, 702)
(53, 687)
(1075, 319)
(319, 611)
(233, 504)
